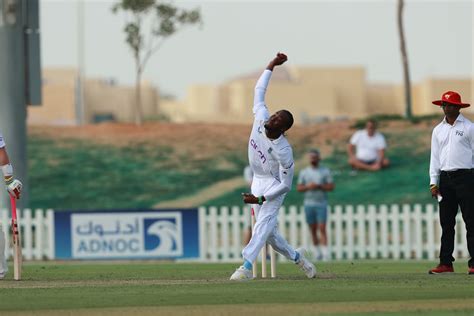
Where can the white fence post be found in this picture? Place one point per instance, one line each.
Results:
(406, 231)
(224, 235)
(361, 241)
(418, 232)
(338, 231)
(372, 231)
(26, 224)
(349, 232)
(236, 235)
(329, 231)
(50, 233)
(38, 221)
(396, 242)
(293, 240)
(305, 234)
(384, 236)
(213, 233)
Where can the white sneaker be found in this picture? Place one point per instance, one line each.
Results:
(4, 272)
(305, 265)
(242, 274)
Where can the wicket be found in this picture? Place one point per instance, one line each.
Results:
(264, 257)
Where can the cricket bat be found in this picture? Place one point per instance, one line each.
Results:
(17, 257)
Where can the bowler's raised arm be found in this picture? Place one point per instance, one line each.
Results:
(262, 83)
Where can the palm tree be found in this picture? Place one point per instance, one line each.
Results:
(406, 69)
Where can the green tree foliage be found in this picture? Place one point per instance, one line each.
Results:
(149, 23)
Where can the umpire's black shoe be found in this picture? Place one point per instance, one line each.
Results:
(470, 271)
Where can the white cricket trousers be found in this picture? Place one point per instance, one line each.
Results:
(266, 228)
(3, 259)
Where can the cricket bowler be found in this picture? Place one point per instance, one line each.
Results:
(271, 160)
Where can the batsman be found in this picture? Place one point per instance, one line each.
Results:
(271, 160)
(14, 189)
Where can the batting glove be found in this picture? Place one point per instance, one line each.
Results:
(13, 186)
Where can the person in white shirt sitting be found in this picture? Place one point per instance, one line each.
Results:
(366, 149)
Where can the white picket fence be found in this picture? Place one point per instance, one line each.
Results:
(354, 232)
(36, 233)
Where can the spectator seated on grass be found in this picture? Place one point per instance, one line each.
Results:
(366, 149)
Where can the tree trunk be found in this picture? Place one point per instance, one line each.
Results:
(138, 100)
(406, 71)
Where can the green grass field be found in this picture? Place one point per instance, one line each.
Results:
(85, 175)
(156, 288)
(404, 182)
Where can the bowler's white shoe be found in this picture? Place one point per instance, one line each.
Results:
(305, 265)
(3, 271)
(242, 274)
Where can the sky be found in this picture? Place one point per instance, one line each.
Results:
(238, 37)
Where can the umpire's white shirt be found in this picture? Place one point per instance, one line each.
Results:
(452, 147)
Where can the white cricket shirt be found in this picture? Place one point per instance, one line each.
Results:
(269, 159)
(452, 147)
(367, 147)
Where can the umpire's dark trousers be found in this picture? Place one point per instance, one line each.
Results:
(457, 190)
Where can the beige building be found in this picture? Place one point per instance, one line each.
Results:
(432, 89)
(312, 94)
(103, 100)
(109, 101)
(59, 99)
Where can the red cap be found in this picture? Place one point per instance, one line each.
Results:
(452, 98)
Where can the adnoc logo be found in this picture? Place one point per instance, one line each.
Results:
(127, 235)
(162, 236)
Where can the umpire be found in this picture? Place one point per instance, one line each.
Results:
(452, 177)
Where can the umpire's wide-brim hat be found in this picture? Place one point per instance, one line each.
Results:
(451, 97)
